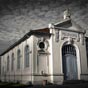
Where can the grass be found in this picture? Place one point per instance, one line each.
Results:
(12, 85)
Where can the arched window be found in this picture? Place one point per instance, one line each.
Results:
(8, 63)
(12, 63)
(18, 59)
(26, 56)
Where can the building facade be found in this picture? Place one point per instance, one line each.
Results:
(55, 54)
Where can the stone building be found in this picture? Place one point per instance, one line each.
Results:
(55, 53)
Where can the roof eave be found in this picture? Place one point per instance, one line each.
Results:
(26, 36)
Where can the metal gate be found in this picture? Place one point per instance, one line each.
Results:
(69, 62)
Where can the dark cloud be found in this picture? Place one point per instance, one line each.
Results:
(17, 17)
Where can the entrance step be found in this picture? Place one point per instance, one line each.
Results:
(74, 82)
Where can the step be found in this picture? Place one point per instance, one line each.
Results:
(74, 81)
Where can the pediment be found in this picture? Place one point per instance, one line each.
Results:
(69, 24)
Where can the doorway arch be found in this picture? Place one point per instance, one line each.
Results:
(69, 59)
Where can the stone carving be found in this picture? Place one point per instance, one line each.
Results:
(78, 37)
(57, 35)
(65, 34)
(51, 26)
(70, 40)
(67, 14)
(82, 39)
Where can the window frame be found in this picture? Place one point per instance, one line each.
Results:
(18, 59)
(8, 60)
(12, 62)
(27, 56)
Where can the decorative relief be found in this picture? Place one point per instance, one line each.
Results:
(57, 35)
(82, 39)
(65, 34)
(70, 40)
(78, 37)
(42, 44)
(67, 14)
(69, 34)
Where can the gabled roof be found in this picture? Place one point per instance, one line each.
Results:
(65, 24)
(69, 25)
(42, 32)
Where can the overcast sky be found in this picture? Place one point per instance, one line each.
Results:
(17, 17)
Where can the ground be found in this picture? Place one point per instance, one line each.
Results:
(74, 84)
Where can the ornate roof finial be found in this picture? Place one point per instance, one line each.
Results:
(67, 14)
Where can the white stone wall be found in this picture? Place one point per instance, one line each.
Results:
(38, 77)
(56, 56)
(23, 74)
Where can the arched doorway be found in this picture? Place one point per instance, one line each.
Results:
(69, 59)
